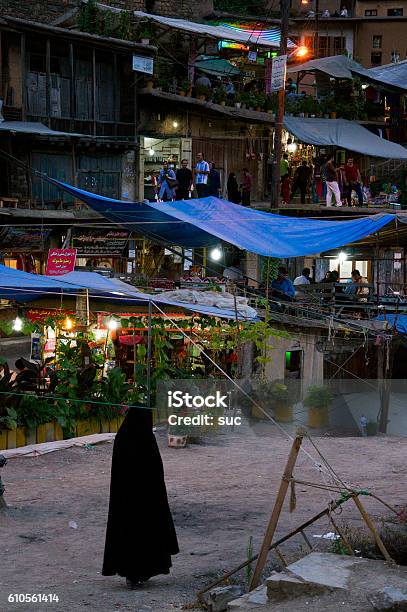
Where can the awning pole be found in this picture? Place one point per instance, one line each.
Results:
(149, 355)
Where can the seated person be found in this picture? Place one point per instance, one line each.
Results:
(282, 287)
(356, 286)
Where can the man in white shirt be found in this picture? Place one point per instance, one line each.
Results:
(303, 279)
(201, 175)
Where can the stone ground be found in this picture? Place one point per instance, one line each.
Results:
(220, 492)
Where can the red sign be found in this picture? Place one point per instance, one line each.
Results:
(60, 261)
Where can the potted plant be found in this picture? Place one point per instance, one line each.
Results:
(202, 92)
(283, 405)
(145, 32)
(177, 436)
(238, 100)
(220, 96)
(318, 400)
(185, 89)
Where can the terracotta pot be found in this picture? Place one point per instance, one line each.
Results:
(318, 417)
(20, 436)
(283, 412)
(177, 441)
(333, 115)
(201, 97)
(3, 440)
(223, 102)
(182, 93)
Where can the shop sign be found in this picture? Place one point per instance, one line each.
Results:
(110, 243)
(278, 72)
(19, 239)
(60, 261)
(143, 64)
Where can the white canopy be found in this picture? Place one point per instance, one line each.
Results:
(345, 134)
(337, 66)
(219, 32)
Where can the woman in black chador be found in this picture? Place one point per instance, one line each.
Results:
(140, 535)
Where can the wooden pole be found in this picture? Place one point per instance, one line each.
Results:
(372, 528)
(275, 515)
(299, 530)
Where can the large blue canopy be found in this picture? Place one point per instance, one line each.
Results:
(23, 287)
(206, 221)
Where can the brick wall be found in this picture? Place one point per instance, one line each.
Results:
(46, 11)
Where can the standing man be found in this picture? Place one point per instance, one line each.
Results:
(353, 181)
(166, 182)
(284, 166)
(302, 180)
(246, 187)
(201, 175)
(332, 187)
(185, 181)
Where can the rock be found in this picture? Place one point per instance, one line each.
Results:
(390, 599)
(219, 598)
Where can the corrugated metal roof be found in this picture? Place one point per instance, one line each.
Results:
(220, 32)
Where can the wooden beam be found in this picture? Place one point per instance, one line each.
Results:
(94, 89)
(372, 528)
(48, 80)
(275, 515)
(72, 109)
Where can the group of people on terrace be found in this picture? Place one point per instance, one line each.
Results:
(323, 180)
(203, 180)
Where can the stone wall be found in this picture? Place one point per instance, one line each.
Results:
(49, 10)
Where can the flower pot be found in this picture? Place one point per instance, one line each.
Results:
(326, 116)
(201, 97)
(223, 102)
(283, 412)
(177, 441)
(11, 438)
(113, 425)
(145, 41)
(104, 425)
(3, 440)
(59, 434)
(333, 115)
(182, 93)
(41, 433)
(318, 417)
(258, 109)
(86, 427)
(20, 437)
(31, 436)
(238, 104)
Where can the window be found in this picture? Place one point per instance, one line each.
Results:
(377, 42)
(395, 12)
(376, 58)
(371, 13)
(339, 45)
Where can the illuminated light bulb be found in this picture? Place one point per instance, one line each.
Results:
(175, 124)
(292, 147)
(151, 152)
(302, 51)
(99, 334)
(68, 323)
(113, 324)
(17, 324)
(342, 257)
(216, 254)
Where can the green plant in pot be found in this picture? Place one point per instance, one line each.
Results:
(282, 401)
(203, 92)
(185, 88)
(318, 401)
(220, 96)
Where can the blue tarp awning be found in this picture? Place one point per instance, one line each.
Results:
(397, 320)
(205, 222)
(23, 287)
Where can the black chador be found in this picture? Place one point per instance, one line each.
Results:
(140, 535)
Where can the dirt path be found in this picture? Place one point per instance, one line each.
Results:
(220, 494)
